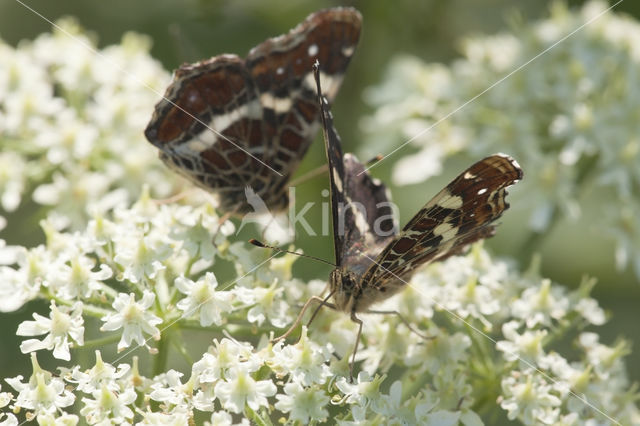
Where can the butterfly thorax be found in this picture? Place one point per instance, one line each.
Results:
(352, 294)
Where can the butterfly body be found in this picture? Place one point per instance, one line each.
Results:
(373, 261)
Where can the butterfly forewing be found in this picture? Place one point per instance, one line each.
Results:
(361, 212)
(460, 214)
(263, 110)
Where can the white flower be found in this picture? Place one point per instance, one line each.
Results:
(606, 360)
(134, 317)
(12, 180)
(109, 405)
(15, 290)
(167, 387)
(268, 304)
(199, 227)
(101, 374)
(239, 388)
(78, 280)
(528, 398)
(222, 418)
(7, 419)
(203, 298)
(425, 414)
(225, 355)
(59, 327)
(541, 305)
(526, 346)
(175, 418)
(43, 393)
(64, 419)
(141, 256)
(18, 286)
(303, 404)
(305, 361)
(364, 392)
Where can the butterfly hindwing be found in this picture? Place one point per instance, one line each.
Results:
(460, 214)
(263, 110)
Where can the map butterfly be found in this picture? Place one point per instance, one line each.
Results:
(229, 123)
(372, 260)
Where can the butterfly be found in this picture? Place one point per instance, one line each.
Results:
(372, 260)
(228, 123)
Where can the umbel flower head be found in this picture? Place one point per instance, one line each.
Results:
(70, 123)
(569, 114)
(493, 332)
(136, 289)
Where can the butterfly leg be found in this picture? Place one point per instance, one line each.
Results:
(323, 302)
(404, 321)
(177, 197)
(358, 321)
(221, 222)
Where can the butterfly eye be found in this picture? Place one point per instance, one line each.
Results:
(348, 281)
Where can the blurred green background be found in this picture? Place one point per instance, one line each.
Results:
(430, 29)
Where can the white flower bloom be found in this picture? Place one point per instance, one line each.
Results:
(43, 393)
(303, 404)
(64, 419)
(526, 346)
(222, 418)
(45, 86)
(364, 392)
(198, 230)
(239, 388)
(78, 279)
(8, 419)
(12, 180)
(425, 415)
(101, 374)
(591, 311)
(541, 305)
(168, 388)
(305, 361)
(109, 405)
(606, 360)
(59, 327)
(15, 290)
(269, 305)
(134, 317)
(18, 286)
(175, 418)
(140, 256)
(529, 398)
(203, 299)
(223, 356)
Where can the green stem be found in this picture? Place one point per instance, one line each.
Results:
(260, 419)
(177, 344)
(160, 360)
(101, 342)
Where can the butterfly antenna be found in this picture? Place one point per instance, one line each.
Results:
(374, 160)
(278, 249)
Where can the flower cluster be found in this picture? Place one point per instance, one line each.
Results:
(70, 123)
(570, 114)
(146, 276)
(160, 278)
